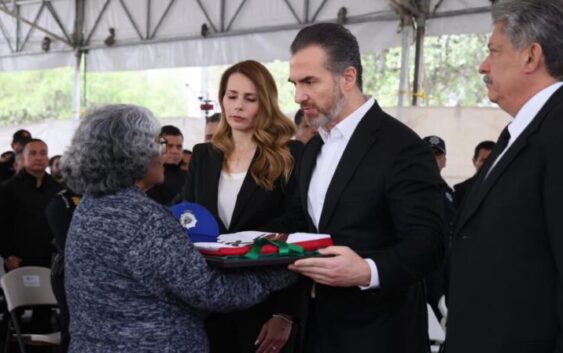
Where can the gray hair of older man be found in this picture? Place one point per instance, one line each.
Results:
(529, 21)
(111, 150)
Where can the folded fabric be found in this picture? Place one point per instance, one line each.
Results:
(239, 244)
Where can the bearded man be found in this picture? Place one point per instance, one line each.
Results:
(373, 185)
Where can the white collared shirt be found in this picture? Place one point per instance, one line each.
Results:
(335, 142)
(526, 115)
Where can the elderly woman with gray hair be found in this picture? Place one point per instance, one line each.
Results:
(134, 282)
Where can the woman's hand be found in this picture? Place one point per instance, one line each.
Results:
(274, 334)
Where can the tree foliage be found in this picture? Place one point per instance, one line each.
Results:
(451, 79)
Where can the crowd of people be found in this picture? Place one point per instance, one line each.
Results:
(128, 279)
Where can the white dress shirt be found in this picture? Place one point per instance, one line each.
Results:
(526, 115)
(335, 142)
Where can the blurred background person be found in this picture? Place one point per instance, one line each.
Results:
(19, 139)
(55, 168)
(211, 125)
(305, 131)
(437, 281)
(174, 177)
(245, 177)
(7, 165)
(18, 162)
(186, 158)
(438, 146)
(26, 239)
(7, 156)
(59, 214)
(480, 156)
(134, 281)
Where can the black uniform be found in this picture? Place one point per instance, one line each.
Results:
(25, 232)
(6, 170)
(437, 282)
(463, 189)
(59, 214)
(174, 179)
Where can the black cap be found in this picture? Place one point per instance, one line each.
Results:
(21, 136)
(436, 143)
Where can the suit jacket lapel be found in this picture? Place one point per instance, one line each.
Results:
(214, 165)
(482, 187)
(247, 189)
(360, 143)
(307, 165)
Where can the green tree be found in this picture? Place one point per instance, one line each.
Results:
(451, 79)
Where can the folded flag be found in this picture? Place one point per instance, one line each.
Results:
(203, 230)
(241, 243)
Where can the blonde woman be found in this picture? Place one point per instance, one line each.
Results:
(245, 177)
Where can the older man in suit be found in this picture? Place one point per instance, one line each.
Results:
(506, 289)
(373, 184)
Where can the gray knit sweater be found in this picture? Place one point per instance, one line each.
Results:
(136, 284)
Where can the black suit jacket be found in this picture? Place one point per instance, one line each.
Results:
(174, 180)
(462, 189)
(385, 202)
(506, 289)
(256, 209)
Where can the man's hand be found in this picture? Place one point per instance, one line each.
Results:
(344, 269)
(274, 335)
(12, 262)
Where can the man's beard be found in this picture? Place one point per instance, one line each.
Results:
(334, 110)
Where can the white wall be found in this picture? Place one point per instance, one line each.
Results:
(461, 128)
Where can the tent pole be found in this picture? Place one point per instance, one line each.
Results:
(418, 57)
(76, 87)
(405, 60)
(78, 42)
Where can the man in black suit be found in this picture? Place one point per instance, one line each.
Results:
(506, 286)
(373, 184)
(482, 152)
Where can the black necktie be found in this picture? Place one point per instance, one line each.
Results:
(500, 146)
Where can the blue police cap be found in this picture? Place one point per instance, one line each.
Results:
(198, 223)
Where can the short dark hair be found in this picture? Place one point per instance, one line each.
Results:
(53, 159)
(30, 141)
(339, 43)
(298, 117)
(186, 151)
(170, 130)
(21, 136)
(483, 145)
(11, 154)
(213, 118)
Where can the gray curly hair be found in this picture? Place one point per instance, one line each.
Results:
(111, 149)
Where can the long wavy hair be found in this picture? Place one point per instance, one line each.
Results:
(272, 132)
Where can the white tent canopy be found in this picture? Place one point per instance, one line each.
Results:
(167, 33)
